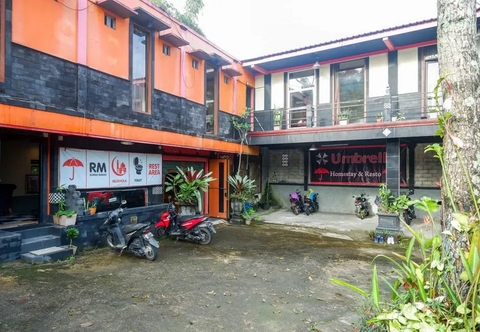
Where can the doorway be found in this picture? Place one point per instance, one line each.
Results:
(218, 189)
(20, 176)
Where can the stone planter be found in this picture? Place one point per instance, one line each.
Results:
(187, 210)
(236, 210)
(388, 222)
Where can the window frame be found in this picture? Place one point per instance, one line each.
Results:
(148, 69)
(107, 17)
(3, 22)
(337, 109)
(166, 49)
(296, 109)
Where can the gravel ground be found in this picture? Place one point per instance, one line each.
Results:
(250, 278)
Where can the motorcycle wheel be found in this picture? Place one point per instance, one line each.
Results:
(207, 236)
(296, 210)
(151, 252)
(109, 240)
(307, 210)
(361, 214)
(160, 231)
(407, 218)
(317, 207)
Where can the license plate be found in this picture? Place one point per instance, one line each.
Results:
(148, 235)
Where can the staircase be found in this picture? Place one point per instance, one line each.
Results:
(43, 243)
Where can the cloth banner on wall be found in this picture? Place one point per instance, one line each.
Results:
(358, 165)
(107, 169)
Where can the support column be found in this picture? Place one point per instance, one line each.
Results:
(305, 168)
(411, 166)
(393, 165)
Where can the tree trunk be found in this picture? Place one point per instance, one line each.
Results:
(458, 63)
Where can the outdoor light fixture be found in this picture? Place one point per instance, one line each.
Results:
(316, 65)
(313, 148)
(126, 143)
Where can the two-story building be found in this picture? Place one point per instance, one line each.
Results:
(110, 96)
(344, 116)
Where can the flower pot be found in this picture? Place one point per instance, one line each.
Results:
(248, 221)
(433, 115)
(67, 221)
(92, 210)
(236, 209)
(394, 118)
(343, 122)
(379, 120)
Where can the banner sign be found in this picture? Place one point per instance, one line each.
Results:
(106, 169)
(357, 165)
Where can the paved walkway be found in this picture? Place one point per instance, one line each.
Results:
(339, 222)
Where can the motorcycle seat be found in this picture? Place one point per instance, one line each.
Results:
(132, 227)
(189, 217)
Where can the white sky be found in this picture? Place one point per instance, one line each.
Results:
(251, 28)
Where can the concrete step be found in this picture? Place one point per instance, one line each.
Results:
(39, 242)
(37, 230)
(54, 253)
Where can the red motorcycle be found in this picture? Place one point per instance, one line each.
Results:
(195, 228)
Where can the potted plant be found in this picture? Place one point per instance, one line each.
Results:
(92, 207)
(64, 216)
(379, 117)
(343, 117)
(389, 209)
(242, 190)
(72, 233)
(277, 119)
(188, 187)
(398, 117)
(247, 215)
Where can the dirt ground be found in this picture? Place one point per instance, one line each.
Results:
(250, 278)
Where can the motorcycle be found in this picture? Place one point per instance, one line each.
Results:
(195, 228)
(311, 203)
(134, 238)
(409, 211)
(361, 206)
(296, 202)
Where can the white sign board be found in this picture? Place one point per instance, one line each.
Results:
(107, 169)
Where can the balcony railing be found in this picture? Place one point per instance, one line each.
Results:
(388, 108)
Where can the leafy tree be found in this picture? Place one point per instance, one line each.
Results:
(459, 64)
(189, 15)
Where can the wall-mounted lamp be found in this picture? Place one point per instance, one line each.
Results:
(316, 65)
(60, 138)
(45, 135)
(126, 143)
(313, 148)
(159, 147)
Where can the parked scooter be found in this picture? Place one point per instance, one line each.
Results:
(196, 228)
(134, 238)
(361, 206)
(409, 211)
(311, 203)
(296, 202)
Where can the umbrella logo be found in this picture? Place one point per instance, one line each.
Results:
(322, 158)
(320, 171)
(72, 162)
(119, 168)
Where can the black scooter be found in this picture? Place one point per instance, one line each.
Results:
(409, 211)
(134, 238)
(361, 206)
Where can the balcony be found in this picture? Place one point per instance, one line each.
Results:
(404, 116)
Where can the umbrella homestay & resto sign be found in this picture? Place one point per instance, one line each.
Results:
(363, 165)
(106, 169)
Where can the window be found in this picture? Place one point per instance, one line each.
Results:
(210, 99)
(350, 90)
(195, 64)
(140, 70)
(431, 75)
(166, 49)
(226, 79)
(301, 90)
(110, 21)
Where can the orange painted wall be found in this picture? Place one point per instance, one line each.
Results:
(46, 25)
(194, 80)
(167, 68)
(107, 49)
(241, 97)
(226, 94)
